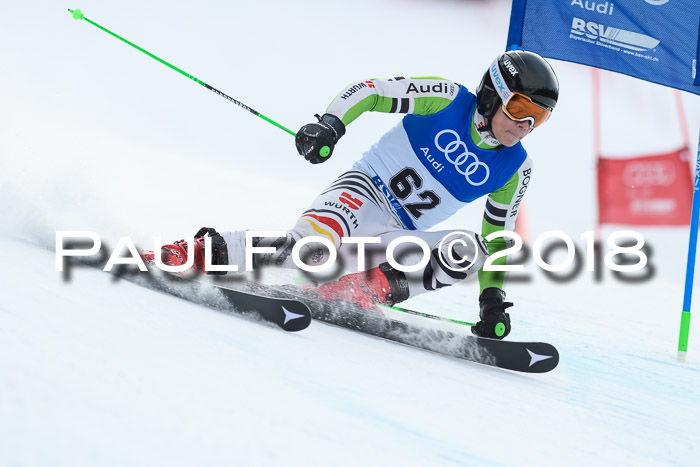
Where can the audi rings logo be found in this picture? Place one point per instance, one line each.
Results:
(464, 161)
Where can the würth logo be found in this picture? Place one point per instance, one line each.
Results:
(352, 203)
(353, 89)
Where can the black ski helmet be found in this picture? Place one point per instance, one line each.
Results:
(523, 72)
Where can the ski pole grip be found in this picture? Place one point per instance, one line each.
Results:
(499, 329)
(77, 14)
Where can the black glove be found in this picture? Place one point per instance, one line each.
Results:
(315, 141)
(495, 322)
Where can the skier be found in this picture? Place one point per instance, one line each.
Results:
(451, 148)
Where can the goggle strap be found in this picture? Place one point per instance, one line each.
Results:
(498, 82)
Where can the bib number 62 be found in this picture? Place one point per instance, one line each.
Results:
(403, 184)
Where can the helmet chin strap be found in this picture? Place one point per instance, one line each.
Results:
(483, 125)
(486, 128)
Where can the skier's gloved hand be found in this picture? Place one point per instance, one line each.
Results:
(495, 322)
(315, 141)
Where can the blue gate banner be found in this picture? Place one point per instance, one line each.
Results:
(654, 40)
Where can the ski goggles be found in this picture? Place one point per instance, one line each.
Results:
(521, 108)
(517, 106)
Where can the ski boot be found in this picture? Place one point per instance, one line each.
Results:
(382, 285)
(494, 322)
(175, 254)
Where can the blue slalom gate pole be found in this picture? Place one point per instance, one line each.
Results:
(690, 268)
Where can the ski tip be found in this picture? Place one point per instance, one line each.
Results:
(77, 14)
(540, 358)
(681, 355)
(296, 319)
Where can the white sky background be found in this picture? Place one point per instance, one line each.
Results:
(96, 136)
(72, 91)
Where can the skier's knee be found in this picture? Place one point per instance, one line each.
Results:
(482, 253)
(465, 252)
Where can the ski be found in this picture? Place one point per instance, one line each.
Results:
(292, 310)
(509, 354)
(288, 313)
(527, 357)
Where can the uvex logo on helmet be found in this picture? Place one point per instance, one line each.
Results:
(510, 67)
(498, 82)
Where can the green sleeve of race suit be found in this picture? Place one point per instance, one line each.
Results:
(420, 96)
(501, 211)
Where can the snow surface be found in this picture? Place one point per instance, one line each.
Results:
(96, 136)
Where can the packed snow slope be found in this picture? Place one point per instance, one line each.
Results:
(97, 136)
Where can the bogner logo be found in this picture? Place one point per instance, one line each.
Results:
(437, 88)
(510, 67)
(466, 162)
(610, 35)
(524, 181)
(604, 8)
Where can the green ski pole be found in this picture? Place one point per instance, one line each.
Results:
(500, 328)
(426, 315)
(78, 15)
